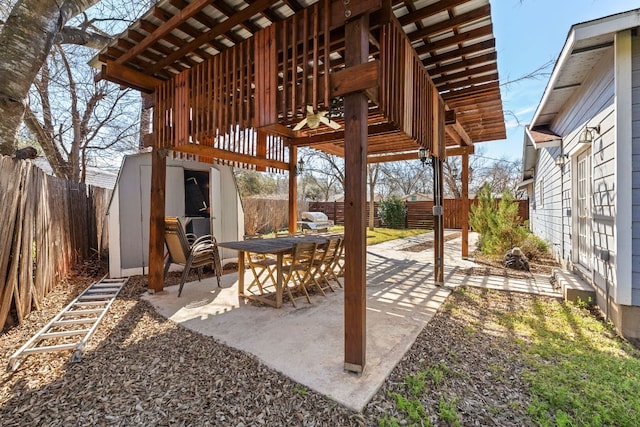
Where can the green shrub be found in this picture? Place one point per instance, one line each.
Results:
(500, 227)
(534, 247)
(482, 214)
(392, 212)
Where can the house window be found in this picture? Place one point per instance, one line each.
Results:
(541, 193)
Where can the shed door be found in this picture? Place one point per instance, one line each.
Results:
(216, 203)
(584, 208)
(174, 201)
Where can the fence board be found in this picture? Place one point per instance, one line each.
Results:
(419, 213)
(48, 225)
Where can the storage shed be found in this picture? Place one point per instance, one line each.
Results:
(204, 196)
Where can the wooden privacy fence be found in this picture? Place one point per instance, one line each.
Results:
(47, 225)
(265, 215)
(419, 213)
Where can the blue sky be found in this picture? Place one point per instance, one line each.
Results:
(529, 33)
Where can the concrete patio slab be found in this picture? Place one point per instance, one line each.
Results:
(306, 343)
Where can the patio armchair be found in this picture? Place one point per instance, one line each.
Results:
(202, 251)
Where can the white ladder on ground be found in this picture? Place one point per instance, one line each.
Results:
(74, 325)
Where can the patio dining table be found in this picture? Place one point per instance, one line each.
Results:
(279, 247)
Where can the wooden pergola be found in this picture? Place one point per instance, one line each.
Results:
(229, 79)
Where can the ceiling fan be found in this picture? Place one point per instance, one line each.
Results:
(313, 120)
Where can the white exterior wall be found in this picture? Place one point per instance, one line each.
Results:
(555, 220)
(610, 99)
(545, 207)
(635, 167)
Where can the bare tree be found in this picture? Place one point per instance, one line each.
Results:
(405, 177)
(46, 83)
(326, 185)
(373, 171)
(75, 120)
(451, 171)
(325, 165)
(26, 39)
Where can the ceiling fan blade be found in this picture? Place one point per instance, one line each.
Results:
(331, 123)
(310, 109)
(301, 124)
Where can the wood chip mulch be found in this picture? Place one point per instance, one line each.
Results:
(488, 266)
(429, 244)
(141, 369)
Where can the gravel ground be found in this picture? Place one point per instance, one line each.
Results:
(141, 369)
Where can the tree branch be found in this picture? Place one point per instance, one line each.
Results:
(57, 162)
(81, 37)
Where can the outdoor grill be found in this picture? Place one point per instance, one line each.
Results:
(315, 220)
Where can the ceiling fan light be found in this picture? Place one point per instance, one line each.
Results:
(313, 121)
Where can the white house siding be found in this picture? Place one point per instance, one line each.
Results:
(635, 100)
(545, 201)
(592, 105)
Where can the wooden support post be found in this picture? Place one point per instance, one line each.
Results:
(465, 206)
(355, 155)
(438, 222)
(156, 219)
(293, 189)
(261, 150)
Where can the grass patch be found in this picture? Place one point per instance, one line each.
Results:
(374, 237)
(580, 373)
(379, 235)
(410, 404)
(448, 412)
(438, 372)
(412, 408)
(302, 390)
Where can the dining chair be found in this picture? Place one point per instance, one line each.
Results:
(263, 269)
(296, 274)
(322, 264)
(328, 272)
(202, 251)
(337, 268)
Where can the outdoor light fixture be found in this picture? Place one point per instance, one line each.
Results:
(588, 134)
(299, 167)
(454, 170)
(423, 155)
(560, 160)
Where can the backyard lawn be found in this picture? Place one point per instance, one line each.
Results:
(377, 235)
(514, 359)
